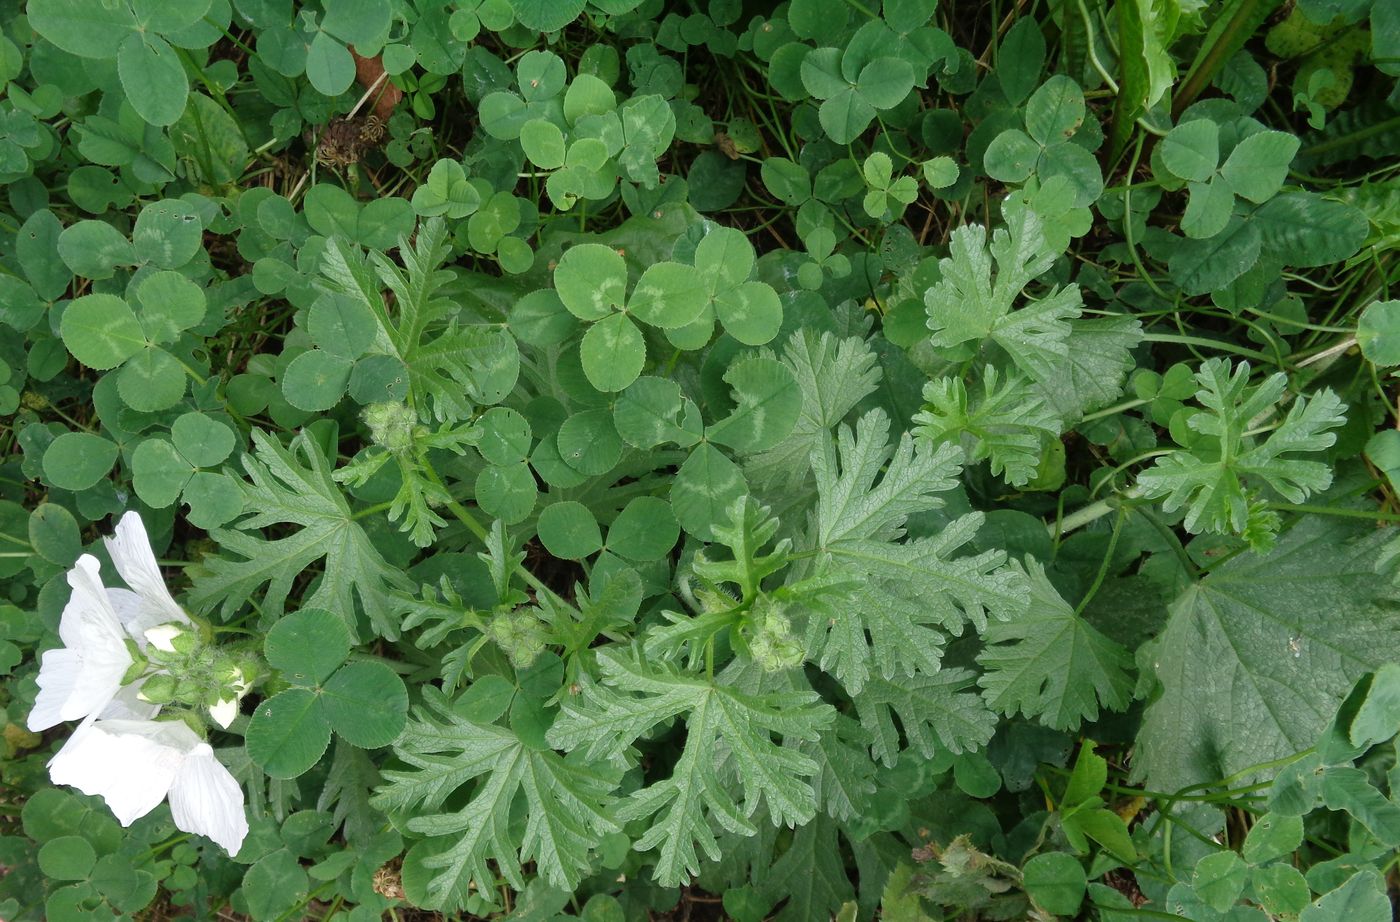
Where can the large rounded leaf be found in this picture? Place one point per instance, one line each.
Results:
(366, 704)
(288, 733)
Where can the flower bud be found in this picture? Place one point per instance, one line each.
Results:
(235, 685)
(172, 638)
(158, 689)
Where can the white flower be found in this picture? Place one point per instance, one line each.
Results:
(83, 676)
(135, 764)
(148, 603)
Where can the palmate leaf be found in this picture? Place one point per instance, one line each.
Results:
(934, 711)
(1049, 663)
(1008, 425)
(729, 733)
(972, 303)
(293, 486)
(893, 603)
(1095, 369)
(346, 793)
(833, 375)
(1256, 657)
(452, 367)
(1210, 478)
(567, 804)
(811, 874)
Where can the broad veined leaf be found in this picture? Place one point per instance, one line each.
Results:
(768, 404)
(567, 802)
(940, 712)
(1259, 653)
(1050, 663)
(293, 486)
(728, 733)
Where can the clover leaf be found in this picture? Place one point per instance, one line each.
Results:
(591, 280)
(363, 701)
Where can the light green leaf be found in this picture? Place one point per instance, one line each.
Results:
(591, 280)
(1055, 110)
(1208, 209)
(644, 530)
(566, 802)
(668, 295)
(704, 488)
(366, 704)
(546, 15)
(1378, 332)
(936, 712)
(1362, 898)
(170, 304)
(970, 304)
(568, 530)
(1258, 165)
(543, 143)
(159, 473)
(1191, 150)
(293, 486)
(80, 27)
(316, 380)
(726, 731)
(329, 66)
(768, 403)
(101, 331)
(1056, 882)
(1209, 480)
(288, 733)
(653, 411)
(151, 380)
(307, 645)
(613, 353)
(153, 78)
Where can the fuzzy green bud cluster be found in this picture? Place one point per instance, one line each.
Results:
(392, 426)
(520, 634)
(195, 674)
(771, 641)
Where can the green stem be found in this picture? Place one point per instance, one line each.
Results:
(464, 516)
(1106, 564)
(1359, 135)
(1370, 516)
(1229, 40)
(1209, 343)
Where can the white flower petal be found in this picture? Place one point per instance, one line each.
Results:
(206, 800)
(59, 674)
(89, 620)
(129, 606)
(84, 676)
(136, 562)
(224, 711)
(132, 772)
